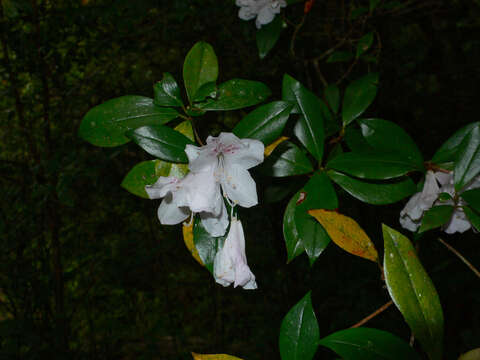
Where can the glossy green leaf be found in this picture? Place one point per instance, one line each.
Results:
(166, 92)
(332, 95)
(375, 193)
(375, 166)
(340, 56)
(236, 94)
(106, 124)
(289, 86)
(472, 197)
(448, 151)
(364, 43)
(206, 244)
(206, 90)
(473, 216)
(299, 332)
(467, 164)
(139, 176)
(413, 292)
(287, 160)
(335, 151)
(309, 128)
(293, 242)
(368, 344)
(358, 97)
(161, 142)
(356, 142)
(265, 123)
(200, 67)
(387, 136)
(268, 35)
(436, 217)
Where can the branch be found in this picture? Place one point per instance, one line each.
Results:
(460, 256)
(372, 315)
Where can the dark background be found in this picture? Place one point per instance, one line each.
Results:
(87, 272)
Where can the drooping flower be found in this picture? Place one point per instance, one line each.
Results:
(220, 166)
(412, 213)
(230, 265)
(263, 10)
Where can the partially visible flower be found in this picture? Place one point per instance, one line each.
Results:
(263, 10)
(220, 166)
(230, 265)
(412, 213)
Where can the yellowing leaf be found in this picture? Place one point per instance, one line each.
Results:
(471, 355)
(346, 233)
(188, 239)
(186, 129)
(269, 149)
(214, 357)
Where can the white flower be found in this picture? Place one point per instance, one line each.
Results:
(230, 264)
(221, 165)
(412, 213)
(263, 10)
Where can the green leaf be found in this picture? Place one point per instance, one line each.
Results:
(473, 216)
(161, 142)
(167, 92)
(200, 67)
(299, 332)
(309, 129)
(375, 193)
(340, 56)
(287, 160)
(356, 142)
(332, 95)
(106, 124)
(471, 355)
(387, 136)
(472, 197)
(236, 94)
(293, 242)
(374, 4)
(364, 43)
(467, 165)
(358, 97)
(139, 176)
(289, 86)
(368, 344)
(206, 90)
(268, 36)
(375, 166)
(206, 244)
(436, 217)
(448, 151)
(413, 292)
(265, 123)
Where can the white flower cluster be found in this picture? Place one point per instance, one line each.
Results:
(263, 10)
(217, 170)
(435, 184)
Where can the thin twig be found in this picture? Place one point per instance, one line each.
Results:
(460, 256)
(295, 33)
(372, 315)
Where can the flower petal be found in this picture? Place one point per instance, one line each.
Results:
(458, 223)
(230, 264)
(215, 225)
(169, 213)
(239, 186)
(246, 153)
(192, 152)
(162, 186)
(199, 192)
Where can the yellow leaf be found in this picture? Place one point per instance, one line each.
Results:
(214, 357)
(346, 233)
(188, 239)
(269, 149)
(471, 355)
(186, 129)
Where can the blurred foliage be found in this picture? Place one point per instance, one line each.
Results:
(85, 269)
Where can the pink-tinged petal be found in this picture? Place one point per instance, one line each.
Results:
(162, 187)
(215, 225)
(169, 213)
(247, 153)
(239, 186)
(230, 264)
